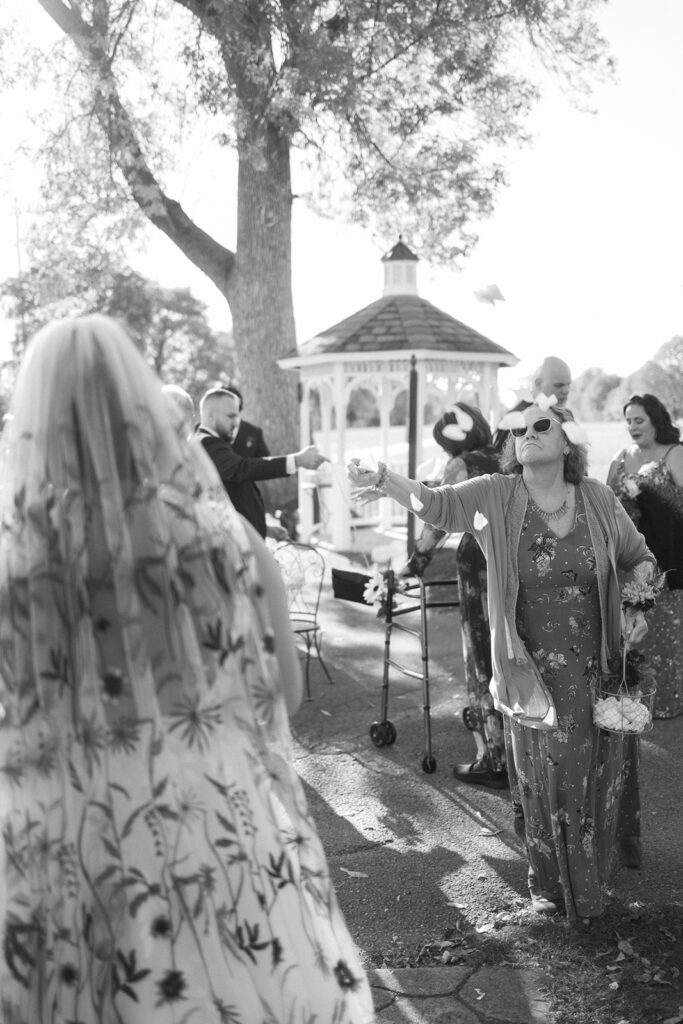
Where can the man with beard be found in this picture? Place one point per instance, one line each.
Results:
(219, 412)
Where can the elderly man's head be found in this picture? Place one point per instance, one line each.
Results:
(553, 377)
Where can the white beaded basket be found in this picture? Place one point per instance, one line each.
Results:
(620, 708)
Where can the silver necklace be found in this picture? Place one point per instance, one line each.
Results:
(556, 513)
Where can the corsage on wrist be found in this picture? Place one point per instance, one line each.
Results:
(383, 477)
(642, 591)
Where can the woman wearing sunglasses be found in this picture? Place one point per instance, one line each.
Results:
(554, 542)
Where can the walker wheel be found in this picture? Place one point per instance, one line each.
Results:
(469, 719)
(378, 734)
(429, 765)
(389, 733)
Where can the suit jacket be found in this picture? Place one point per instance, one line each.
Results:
(239, 477)
(250, 442)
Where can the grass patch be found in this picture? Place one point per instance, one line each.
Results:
(626, 968)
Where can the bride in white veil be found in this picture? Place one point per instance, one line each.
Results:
(157, 859)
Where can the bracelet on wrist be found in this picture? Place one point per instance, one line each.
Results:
(383, 477)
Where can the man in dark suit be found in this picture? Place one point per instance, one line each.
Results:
(219, 412)
(249, 441)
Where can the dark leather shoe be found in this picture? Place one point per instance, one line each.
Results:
(481, 775)
(631, 853)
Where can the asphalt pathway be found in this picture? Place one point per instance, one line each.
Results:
(415, 856)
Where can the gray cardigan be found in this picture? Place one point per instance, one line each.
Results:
(516, 685)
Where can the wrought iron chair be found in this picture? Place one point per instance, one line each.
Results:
(303, 571)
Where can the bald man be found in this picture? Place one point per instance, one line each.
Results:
(553, 377)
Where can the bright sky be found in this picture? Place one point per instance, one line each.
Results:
(584, 244)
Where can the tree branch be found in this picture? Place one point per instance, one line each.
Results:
(165, 213)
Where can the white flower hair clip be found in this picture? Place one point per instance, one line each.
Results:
(480, 521)
(511, 421)
(544, 402)
(459, 430)
(575, 433)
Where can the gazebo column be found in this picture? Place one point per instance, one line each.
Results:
(491, 404)
(385, 405)
(420, 406)
(340, 514)
(326, 475)
(306, 478)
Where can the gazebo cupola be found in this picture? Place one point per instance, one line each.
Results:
(400, 270)
(372, 352)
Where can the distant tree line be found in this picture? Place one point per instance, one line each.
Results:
(597, 395)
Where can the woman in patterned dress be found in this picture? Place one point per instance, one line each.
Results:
(554, 542)
(647, 478)
(465, 436)
(158, 863)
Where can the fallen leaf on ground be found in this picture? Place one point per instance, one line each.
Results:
(479, 993)
(323, 712)
(353, 874)
(489, 831)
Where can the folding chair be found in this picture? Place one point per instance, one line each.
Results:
(303, 571)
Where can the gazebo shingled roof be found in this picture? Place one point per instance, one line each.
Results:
(399, 323)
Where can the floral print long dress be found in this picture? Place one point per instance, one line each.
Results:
(655, 504)
(567, 783)
(158, 861)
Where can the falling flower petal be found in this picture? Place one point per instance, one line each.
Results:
(545, 401)
(454, 432)
(463, 418)
(511, 420)
(575, 433)
(368, 462)
(416, 503)
(480, 521)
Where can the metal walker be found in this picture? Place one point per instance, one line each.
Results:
(383, 733)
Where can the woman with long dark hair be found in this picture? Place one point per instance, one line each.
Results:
(647, 477)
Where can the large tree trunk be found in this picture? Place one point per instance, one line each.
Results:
(261, 295)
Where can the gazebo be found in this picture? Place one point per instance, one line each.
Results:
(373, 351)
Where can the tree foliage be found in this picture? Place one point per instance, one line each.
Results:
(597, 395)
(169, 324)
(395, 112)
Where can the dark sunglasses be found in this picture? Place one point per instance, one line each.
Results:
(539, 427)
